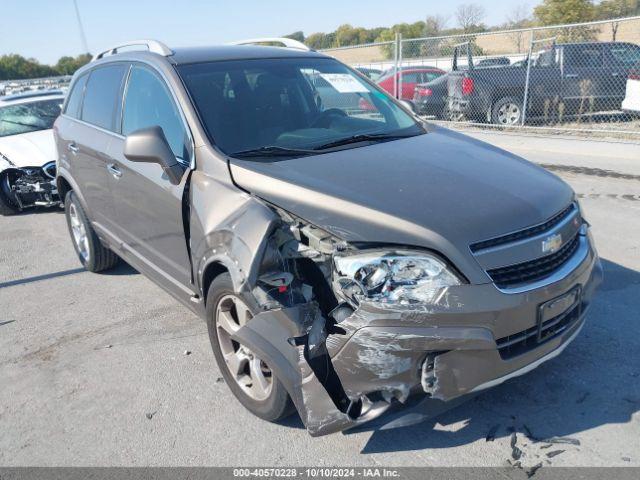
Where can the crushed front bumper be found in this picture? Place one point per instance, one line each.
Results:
(386, 358)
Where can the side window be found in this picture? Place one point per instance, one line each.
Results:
(585, 56)
(429, 77)
(102, 95)
(148, 103)
(75, 97)
(625, 54)
(411, 77)
(547, 58)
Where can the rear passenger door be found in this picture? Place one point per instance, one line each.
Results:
(148, 207)
(584, 83)
(88, 130)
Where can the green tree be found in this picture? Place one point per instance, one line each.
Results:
(15, 67)
(558, 12)
(299, 36)
(608, 9)
(617, 9)
(68, 65)
(318, 41)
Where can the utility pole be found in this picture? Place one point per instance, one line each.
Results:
(83, 37)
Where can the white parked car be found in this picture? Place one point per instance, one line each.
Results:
(27, 151)
(631, 102)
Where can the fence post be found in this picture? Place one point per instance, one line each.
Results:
(525, 102)
(395, 66)
(400, 65)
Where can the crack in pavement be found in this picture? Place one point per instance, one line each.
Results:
(619, 196)
(590, 171)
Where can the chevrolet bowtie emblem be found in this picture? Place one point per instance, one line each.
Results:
(552, 243)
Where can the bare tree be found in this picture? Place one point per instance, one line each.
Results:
(518, 18)
(434, 25)
(469, 15)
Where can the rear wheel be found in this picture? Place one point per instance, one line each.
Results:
(93, 255)
(507, 111)
(8, 203)
(249, 377)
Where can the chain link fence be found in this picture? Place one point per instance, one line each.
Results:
(12, 87)
(581, 77)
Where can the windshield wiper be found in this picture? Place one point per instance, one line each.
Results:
(22, 124)
(363, 137)
(272, 151)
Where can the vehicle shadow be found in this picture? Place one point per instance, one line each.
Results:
(595, 382)
(40, 211)
(121, 269)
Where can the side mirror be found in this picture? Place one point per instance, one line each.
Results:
(149, 145)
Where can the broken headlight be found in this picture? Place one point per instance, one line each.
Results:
(402, 277)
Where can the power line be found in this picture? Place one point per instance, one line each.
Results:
(83, 37)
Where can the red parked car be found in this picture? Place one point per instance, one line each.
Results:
(410, 78)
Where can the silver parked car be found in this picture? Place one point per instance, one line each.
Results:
(351, 265)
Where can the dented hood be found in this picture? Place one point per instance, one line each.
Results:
(32, 149)
(442, 190)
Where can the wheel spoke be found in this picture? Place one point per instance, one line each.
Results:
(227, 323)
(244, 315)
(236, 362)
(259, 383)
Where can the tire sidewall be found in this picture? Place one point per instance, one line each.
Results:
(71, 199)
(277, 403)
(7, 206)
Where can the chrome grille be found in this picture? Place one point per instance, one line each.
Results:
(538, 269)
(526, 233)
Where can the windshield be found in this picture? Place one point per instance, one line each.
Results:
(29, 117)
(279, 105)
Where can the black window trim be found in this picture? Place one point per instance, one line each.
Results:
(191, 144)
(190, 162)
(113, 113)
(71, 89)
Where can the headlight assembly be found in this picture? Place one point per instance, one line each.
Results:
(402, 277)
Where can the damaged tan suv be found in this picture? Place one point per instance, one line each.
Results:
(351, 262)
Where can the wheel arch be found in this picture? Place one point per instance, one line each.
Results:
(66, 184)
(211, 271)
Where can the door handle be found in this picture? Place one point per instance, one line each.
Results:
(571, 75)
(72, 147)
(113, 170)
(615, 74)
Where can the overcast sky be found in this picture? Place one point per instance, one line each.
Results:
(47, 29)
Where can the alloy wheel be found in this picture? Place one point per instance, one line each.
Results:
(250, 373)
(509, 114)
(79, 232)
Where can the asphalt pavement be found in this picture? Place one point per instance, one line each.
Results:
(104, 370)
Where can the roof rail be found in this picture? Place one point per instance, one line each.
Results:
(286, 42)
(153, 46)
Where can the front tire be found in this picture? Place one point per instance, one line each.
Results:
(8, 206)
(249, 377)
(93, 255)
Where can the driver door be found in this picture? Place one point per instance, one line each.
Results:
(148, 208)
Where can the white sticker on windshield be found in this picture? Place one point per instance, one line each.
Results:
(344, 83)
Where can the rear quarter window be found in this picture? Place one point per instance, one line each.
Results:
(72, 108)
(585, 56)
(102, 95)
